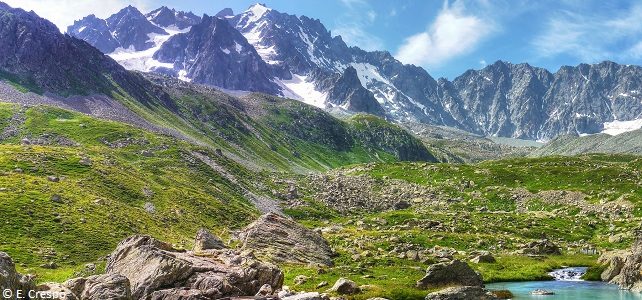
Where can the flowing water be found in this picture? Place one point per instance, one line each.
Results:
(567, 285)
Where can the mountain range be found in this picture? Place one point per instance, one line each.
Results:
(97, 157)
(264, 50)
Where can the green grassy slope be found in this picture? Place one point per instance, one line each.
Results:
(92, 207)
(276, 133)
(473, 207)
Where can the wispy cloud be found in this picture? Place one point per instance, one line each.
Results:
(64, 12)
(454, 32)
(353, 25)
(592, 36)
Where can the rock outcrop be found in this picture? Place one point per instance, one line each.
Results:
(205, 240)
(345, 287)
(483, 258)
(106, 286)
(11, 280)
(157, 271)
(541, 247)
(282, 240)
(614, 261)
(450, 273)
(624, 267)
(462, 293)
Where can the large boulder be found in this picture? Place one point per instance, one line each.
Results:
(11, 280)
(462, 293)
(205, 240)
(483, 258)
(157, 271)
(281, 240)
(625, 268)
(345, 287)
(98, 287)
(455, 272)
(540, 247)
(614, 261)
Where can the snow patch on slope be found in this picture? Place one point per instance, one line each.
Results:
(619, 127)
(143, 60)
(299, 88)
(253, 36)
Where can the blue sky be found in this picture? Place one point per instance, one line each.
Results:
(446, 37)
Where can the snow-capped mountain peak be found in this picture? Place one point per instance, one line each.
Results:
(258, 10)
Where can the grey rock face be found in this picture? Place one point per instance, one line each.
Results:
(132, 29)
(502, 99)
(345, 90)
(95, 32)
(107, 286)
(10, 279)
(157, 271)
(35, 52)
(128, 28)
(454, 272)
(226, 12)
(345, 287)
(625, 268)
(304, 46)
(541, 247)
(205, 240)
(518, 100)
(214, 53)
(166, 17)
(282, 240)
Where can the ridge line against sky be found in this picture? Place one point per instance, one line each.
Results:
(446, 37)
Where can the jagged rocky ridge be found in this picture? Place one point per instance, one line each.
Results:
(297, 57)
(127, 29)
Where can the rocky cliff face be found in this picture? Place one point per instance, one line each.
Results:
(624, 268)
(304, 47)
(345, 90)
(502, 99)
(166, 17)
(132, 29)
(214, 53)
(95, 32)
(518, 100)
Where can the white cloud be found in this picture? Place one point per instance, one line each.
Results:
(592, 36)
(64, 12)
(483, 63)
(453, 33)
